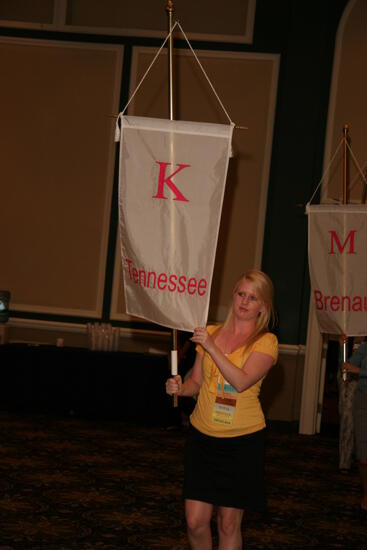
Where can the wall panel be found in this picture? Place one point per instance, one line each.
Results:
(56, 138)
(204, 20)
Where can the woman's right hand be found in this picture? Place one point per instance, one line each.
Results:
(174, 385)
(349, 367)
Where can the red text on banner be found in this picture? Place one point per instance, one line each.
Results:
(163, 179)
(334, 238)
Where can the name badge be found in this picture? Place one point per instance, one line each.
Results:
(223, 410)
(225, 403)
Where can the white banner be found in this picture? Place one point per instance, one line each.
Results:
(171, 187)
(337, 245)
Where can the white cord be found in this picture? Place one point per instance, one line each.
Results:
(206, 76)
(357, 165)
(326, 171)
(152, 63)
(148, 69)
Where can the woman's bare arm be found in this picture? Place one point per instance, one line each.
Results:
(256, 366)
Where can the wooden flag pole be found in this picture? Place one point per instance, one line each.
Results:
(170, 9)
(345, 201)
(364, 190)
(345, 164)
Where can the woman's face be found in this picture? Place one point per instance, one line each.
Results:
(246, 302)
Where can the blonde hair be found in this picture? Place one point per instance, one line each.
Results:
(265, 291)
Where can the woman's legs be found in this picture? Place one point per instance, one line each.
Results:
(360, 425)
(346, 425)
(229, 528)
(198, 517)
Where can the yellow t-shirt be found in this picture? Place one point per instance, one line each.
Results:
(220, 410)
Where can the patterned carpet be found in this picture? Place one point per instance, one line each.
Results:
(69, 483)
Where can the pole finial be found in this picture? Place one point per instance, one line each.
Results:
(169, 6)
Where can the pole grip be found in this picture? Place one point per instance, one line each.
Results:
(174, 371)
(344, 372)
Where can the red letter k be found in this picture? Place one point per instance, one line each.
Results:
(168, 181)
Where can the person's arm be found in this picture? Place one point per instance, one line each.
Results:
(349, 367)
(256, 366)
(191, 386)
(355, 360)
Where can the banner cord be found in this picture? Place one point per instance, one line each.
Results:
(364, 178)
(206, 76)
(148, 69)
(176, 24)
(326, 171)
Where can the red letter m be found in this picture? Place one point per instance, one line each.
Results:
(168, 181)
(335, 238)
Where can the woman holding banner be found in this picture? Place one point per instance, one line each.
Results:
(357, 364)
(224, 455)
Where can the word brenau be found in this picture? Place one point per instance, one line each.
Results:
(340, 303)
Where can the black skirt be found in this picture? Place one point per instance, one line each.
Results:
(225, 471)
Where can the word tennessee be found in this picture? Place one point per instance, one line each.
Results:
(166, 282)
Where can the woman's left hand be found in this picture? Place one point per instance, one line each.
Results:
(202, 337)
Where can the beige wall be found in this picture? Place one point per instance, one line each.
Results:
(56, 102)
(56, 108)
(204, 20)
(348, 105)
(282, 388)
